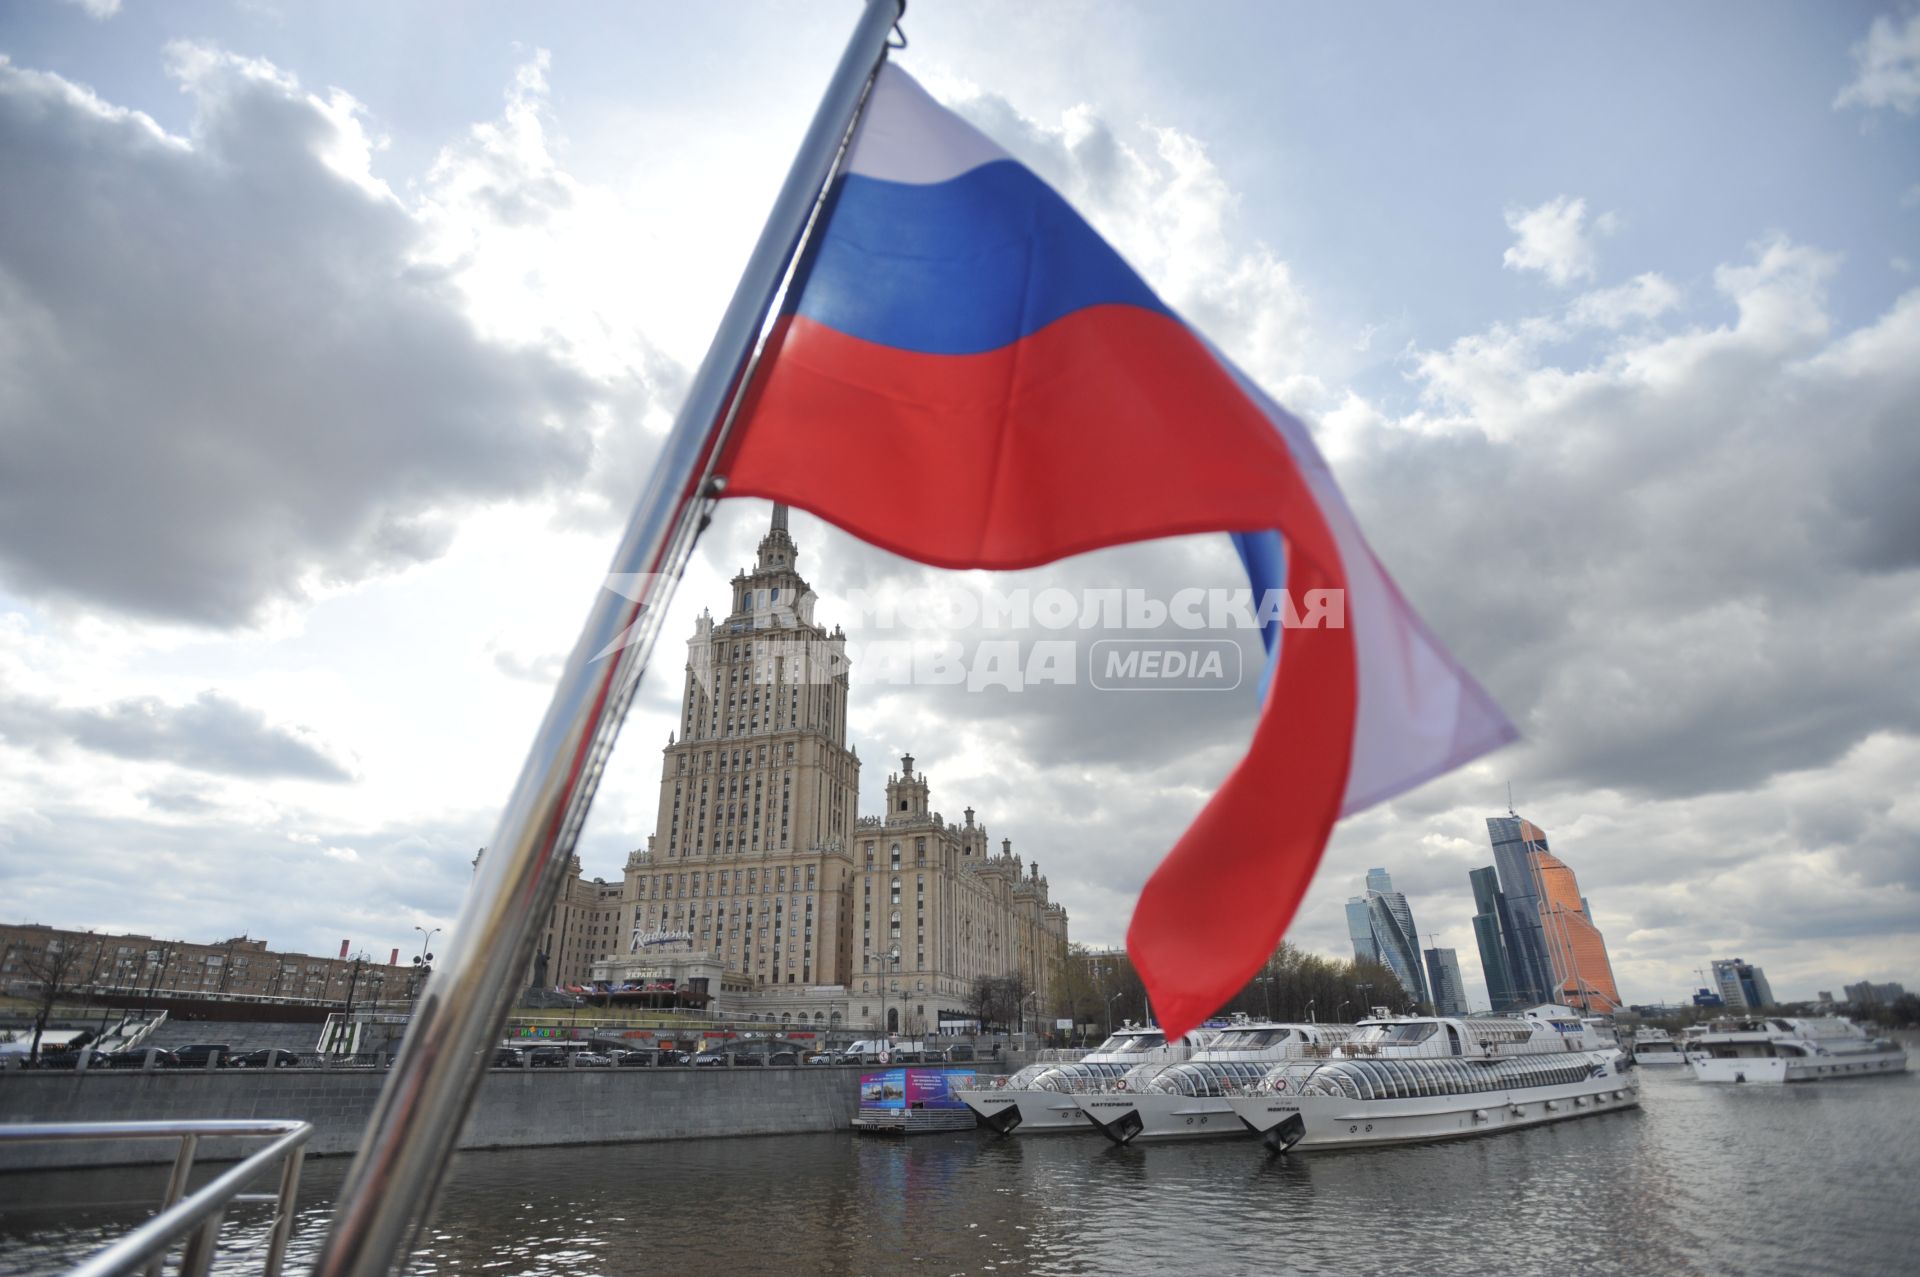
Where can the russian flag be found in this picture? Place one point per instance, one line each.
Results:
(955, 327)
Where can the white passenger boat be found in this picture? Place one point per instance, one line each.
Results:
(1790, 1050)
(1039, 1097)
(1165, 1101)
(1401, 1078)
(1656, 1047)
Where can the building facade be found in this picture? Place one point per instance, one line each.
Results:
(1536, 935)
(1488, 937)
(1443, 978)
(1742, 986)
(812, 911)
(1380, 924)
(1869, 994)
(90, 963)
(1515, 842)
(1582, 971)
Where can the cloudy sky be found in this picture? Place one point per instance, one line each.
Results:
(335, 340)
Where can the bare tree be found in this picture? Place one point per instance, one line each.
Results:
(1015, 988)
(983, 999)
(49, 971)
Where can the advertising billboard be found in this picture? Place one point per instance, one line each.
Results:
(898, 1089)
(886, 1090)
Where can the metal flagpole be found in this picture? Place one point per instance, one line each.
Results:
(394, 1181)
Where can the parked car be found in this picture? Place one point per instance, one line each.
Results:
(548, 1057)
(784, 1057)
(274, 1056)
(196, 1055)
(136, 1058)
(820, 1057)
(710, 1059)
(591, 1060)
(509, 1057)
(71, 1059)
(649, 1057)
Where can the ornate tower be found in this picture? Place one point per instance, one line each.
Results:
(758, 787)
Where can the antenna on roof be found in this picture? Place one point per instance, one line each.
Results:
(1510, 810)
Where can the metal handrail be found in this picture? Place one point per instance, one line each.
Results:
(197, 1217)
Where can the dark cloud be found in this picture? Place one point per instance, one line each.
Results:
(210, 733)
(219, 374)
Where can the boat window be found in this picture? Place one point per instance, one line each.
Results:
(1408, 1034)
(1453, 1039)
(1248, 1039)
(1138, 1043)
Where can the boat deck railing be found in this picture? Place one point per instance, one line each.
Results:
(191, 1221)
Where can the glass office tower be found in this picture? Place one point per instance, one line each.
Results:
(1381, 926)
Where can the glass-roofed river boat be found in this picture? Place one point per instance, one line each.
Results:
(1039, 1096)
(1401, 1078)
(1166, 1101)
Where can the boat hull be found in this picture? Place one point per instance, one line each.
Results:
(1659, 1059)
(1765, 1070)
(1029, 1112)
(1153, 1115)
(1306, 1122)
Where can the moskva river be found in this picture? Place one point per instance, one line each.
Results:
(1808, 1179)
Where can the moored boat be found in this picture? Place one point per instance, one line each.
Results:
(1188, 1099)
(1655, 1047)
(1403, 1078)
(1039, 1097)
(1790, 1049)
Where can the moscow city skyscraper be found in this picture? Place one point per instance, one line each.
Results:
(1380, 924)
(1443, 977)
(1488, 935)
(1536, 935)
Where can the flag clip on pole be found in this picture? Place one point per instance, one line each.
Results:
(392, 1185)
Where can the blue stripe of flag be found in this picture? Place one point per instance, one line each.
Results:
(959, 267)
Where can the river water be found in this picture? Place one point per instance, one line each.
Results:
(1809, 1179)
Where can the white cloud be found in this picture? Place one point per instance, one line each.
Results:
(98, 10)
(1555, 239)
(1886, 67)
(1643, 297)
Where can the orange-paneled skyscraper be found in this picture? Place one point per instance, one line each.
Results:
(1537, 939)
(1582, 974)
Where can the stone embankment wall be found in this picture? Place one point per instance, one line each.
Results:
(516, 1107)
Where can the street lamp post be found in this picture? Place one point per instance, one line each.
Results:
(1111, 998)
(346, 1014)
(1310, 1019)
(890, 956)
(1266, 988)
(423, 962)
